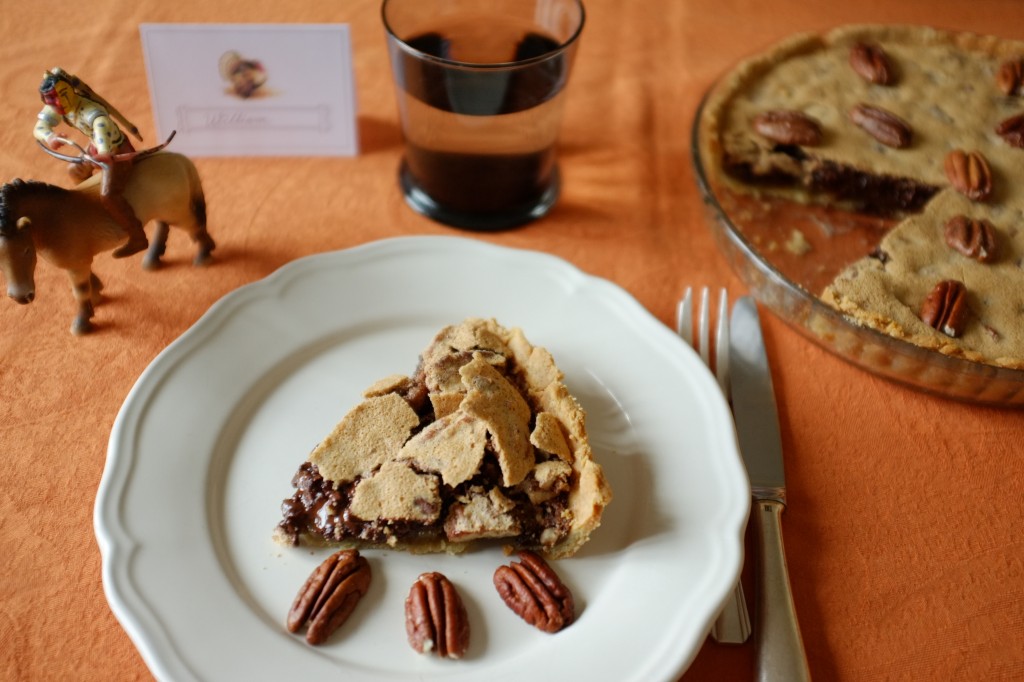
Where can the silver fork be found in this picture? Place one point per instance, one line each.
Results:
(733, 623)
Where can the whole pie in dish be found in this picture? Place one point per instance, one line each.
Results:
(921, 125)
(482, 442)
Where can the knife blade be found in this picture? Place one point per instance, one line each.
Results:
(779, 647)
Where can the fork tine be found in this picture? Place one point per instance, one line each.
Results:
(684, 316)
(722, 344)
(704, 327)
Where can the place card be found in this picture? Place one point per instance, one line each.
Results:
(252, 89)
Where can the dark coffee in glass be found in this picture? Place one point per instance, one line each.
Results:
(481, 87)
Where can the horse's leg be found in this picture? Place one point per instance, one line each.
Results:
(204, 242)
(97, 287)
(81, 285)
(205, 246)
(157, 247)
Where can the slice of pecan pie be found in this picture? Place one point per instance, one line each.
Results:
(483, 441)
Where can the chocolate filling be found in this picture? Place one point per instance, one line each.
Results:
(880, 194)
(884, 195)
(320, 510)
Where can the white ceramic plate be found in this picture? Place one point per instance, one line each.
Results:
(204, 448)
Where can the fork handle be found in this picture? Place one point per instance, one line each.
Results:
(733, 623)
(779, 647)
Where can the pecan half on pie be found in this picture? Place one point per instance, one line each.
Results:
(483, 441)
(909, 122)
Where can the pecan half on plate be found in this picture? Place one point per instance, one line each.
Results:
(435, 617)
(535, 593)
(329, 595)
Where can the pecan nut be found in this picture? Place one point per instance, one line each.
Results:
(788, 126)
(945, 308)
(435, 617)
(969, 174)
(973, 237)
(883, 125)
(533, 590)
(871, 63)
(329, 595)
(1010, 77)
(1012, 131)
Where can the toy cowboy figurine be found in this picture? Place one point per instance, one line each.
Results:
(67, 98)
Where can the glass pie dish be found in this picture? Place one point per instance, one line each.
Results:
(787, 252)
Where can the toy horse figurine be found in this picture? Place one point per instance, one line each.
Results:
(68, 227)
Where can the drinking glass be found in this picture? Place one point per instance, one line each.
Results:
(481, 90)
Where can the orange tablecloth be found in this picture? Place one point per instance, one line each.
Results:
(903, 532)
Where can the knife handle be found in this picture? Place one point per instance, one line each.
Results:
(779, 648)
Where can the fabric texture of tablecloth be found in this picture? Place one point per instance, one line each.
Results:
(903, 532)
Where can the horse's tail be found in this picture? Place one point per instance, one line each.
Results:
(197, 195)
(198, 207)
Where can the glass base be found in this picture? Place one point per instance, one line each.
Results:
(423, 203)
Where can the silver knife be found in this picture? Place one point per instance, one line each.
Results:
(779, 648)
